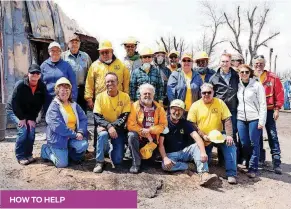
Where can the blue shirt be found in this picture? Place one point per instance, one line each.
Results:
(226, 76)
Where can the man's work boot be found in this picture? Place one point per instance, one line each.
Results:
(134, 169)
(207, 179)
(98, 168)
(278, 170)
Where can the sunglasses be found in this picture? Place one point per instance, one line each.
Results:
(33, 73)
(245, 72)
(130, 46)
(173, 57)
(147, 56)
(206, 92)
(104, 52)
(186, 60)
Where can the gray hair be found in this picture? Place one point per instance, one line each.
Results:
(206, 85)
(147, 86)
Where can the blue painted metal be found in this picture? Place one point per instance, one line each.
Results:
(287, 94)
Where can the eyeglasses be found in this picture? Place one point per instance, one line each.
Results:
(186, 60)
(206, 92)
(105, 52)
(130, 46)
(33, 73)
(147, 56)
(245, 72)
(259, 56)
(173, 57)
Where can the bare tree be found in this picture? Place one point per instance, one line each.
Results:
(172, 42)
(209, 40)
(256, 24)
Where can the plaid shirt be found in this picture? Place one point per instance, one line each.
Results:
(139, 77)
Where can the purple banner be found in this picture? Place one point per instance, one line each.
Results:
(68, 199)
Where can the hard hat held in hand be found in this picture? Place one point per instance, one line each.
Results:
(147, 151)
(216, 137)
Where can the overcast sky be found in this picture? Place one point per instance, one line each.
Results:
(147, 20)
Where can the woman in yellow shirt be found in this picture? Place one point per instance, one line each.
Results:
(185, 83)
(66, 128)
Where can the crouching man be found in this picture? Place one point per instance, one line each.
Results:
(174, 148)
(111, 110)
(146, 121)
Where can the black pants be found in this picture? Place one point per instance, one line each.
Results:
(81, 100)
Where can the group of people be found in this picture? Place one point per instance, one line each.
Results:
(179, 111)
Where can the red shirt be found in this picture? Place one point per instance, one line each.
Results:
(148, 121)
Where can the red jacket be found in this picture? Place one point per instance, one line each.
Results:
(274, 91)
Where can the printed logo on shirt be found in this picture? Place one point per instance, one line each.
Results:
(214, 110)
(269, 84)
(120, 103)
(181, 131)
(116, 67)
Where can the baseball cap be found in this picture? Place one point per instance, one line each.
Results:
(34, 68)
(63, 80)
(178, 103)
(54, 44)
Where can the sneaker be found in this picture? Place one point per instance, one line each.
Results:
(98, 168)
(231, 180)
(23, 162)
(207, 179)
(31, 159)
(134, 169)
(251, 175)
(278, 170)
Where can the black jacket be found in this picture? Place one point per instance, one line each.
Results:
(23, 103)
(227, 93)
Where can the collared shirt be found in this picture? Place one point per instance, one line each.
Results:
(79, 63)
(226, 76)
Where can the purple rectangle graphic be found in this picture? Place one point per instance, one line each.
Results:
(68, 199)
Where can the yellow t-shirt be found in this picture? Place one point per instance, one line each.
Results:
(209, 117)
(188, 98)
(203, 77)
(72, 119)
(263, 77)
(112, 107)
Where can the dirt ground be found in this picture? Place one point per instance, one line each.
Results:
(156, 189)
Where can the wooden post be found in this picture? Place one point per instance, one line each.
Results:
(275, 64)
(270, 59)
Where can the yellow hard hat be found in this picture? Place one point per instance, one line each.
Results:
(105, 45)
(146, 51)
(161, 49)
(178, 103)
(216, 136)
(173, 52)
(187, 55)
(201, 55)
(130, 40)
(147, 151)
(63, 80)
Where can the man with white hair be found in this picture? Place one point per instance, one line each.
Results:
(210, 114)
(146, 121)
(275, 100)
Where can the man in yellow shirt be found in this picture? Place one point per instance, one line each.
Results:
(111, 110)
(209, 114)
(95, 81)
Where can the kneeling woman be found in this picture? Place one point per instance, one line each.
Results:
(66, 128)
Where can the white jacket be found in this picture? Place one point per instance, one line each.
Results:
(252, 102)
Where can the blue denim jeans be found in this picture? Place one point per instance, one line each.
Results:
(250, 138)
(24, 140)
(273, 140)
(115, 147)
(60, 157)
(190, 153)
(229, 153)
